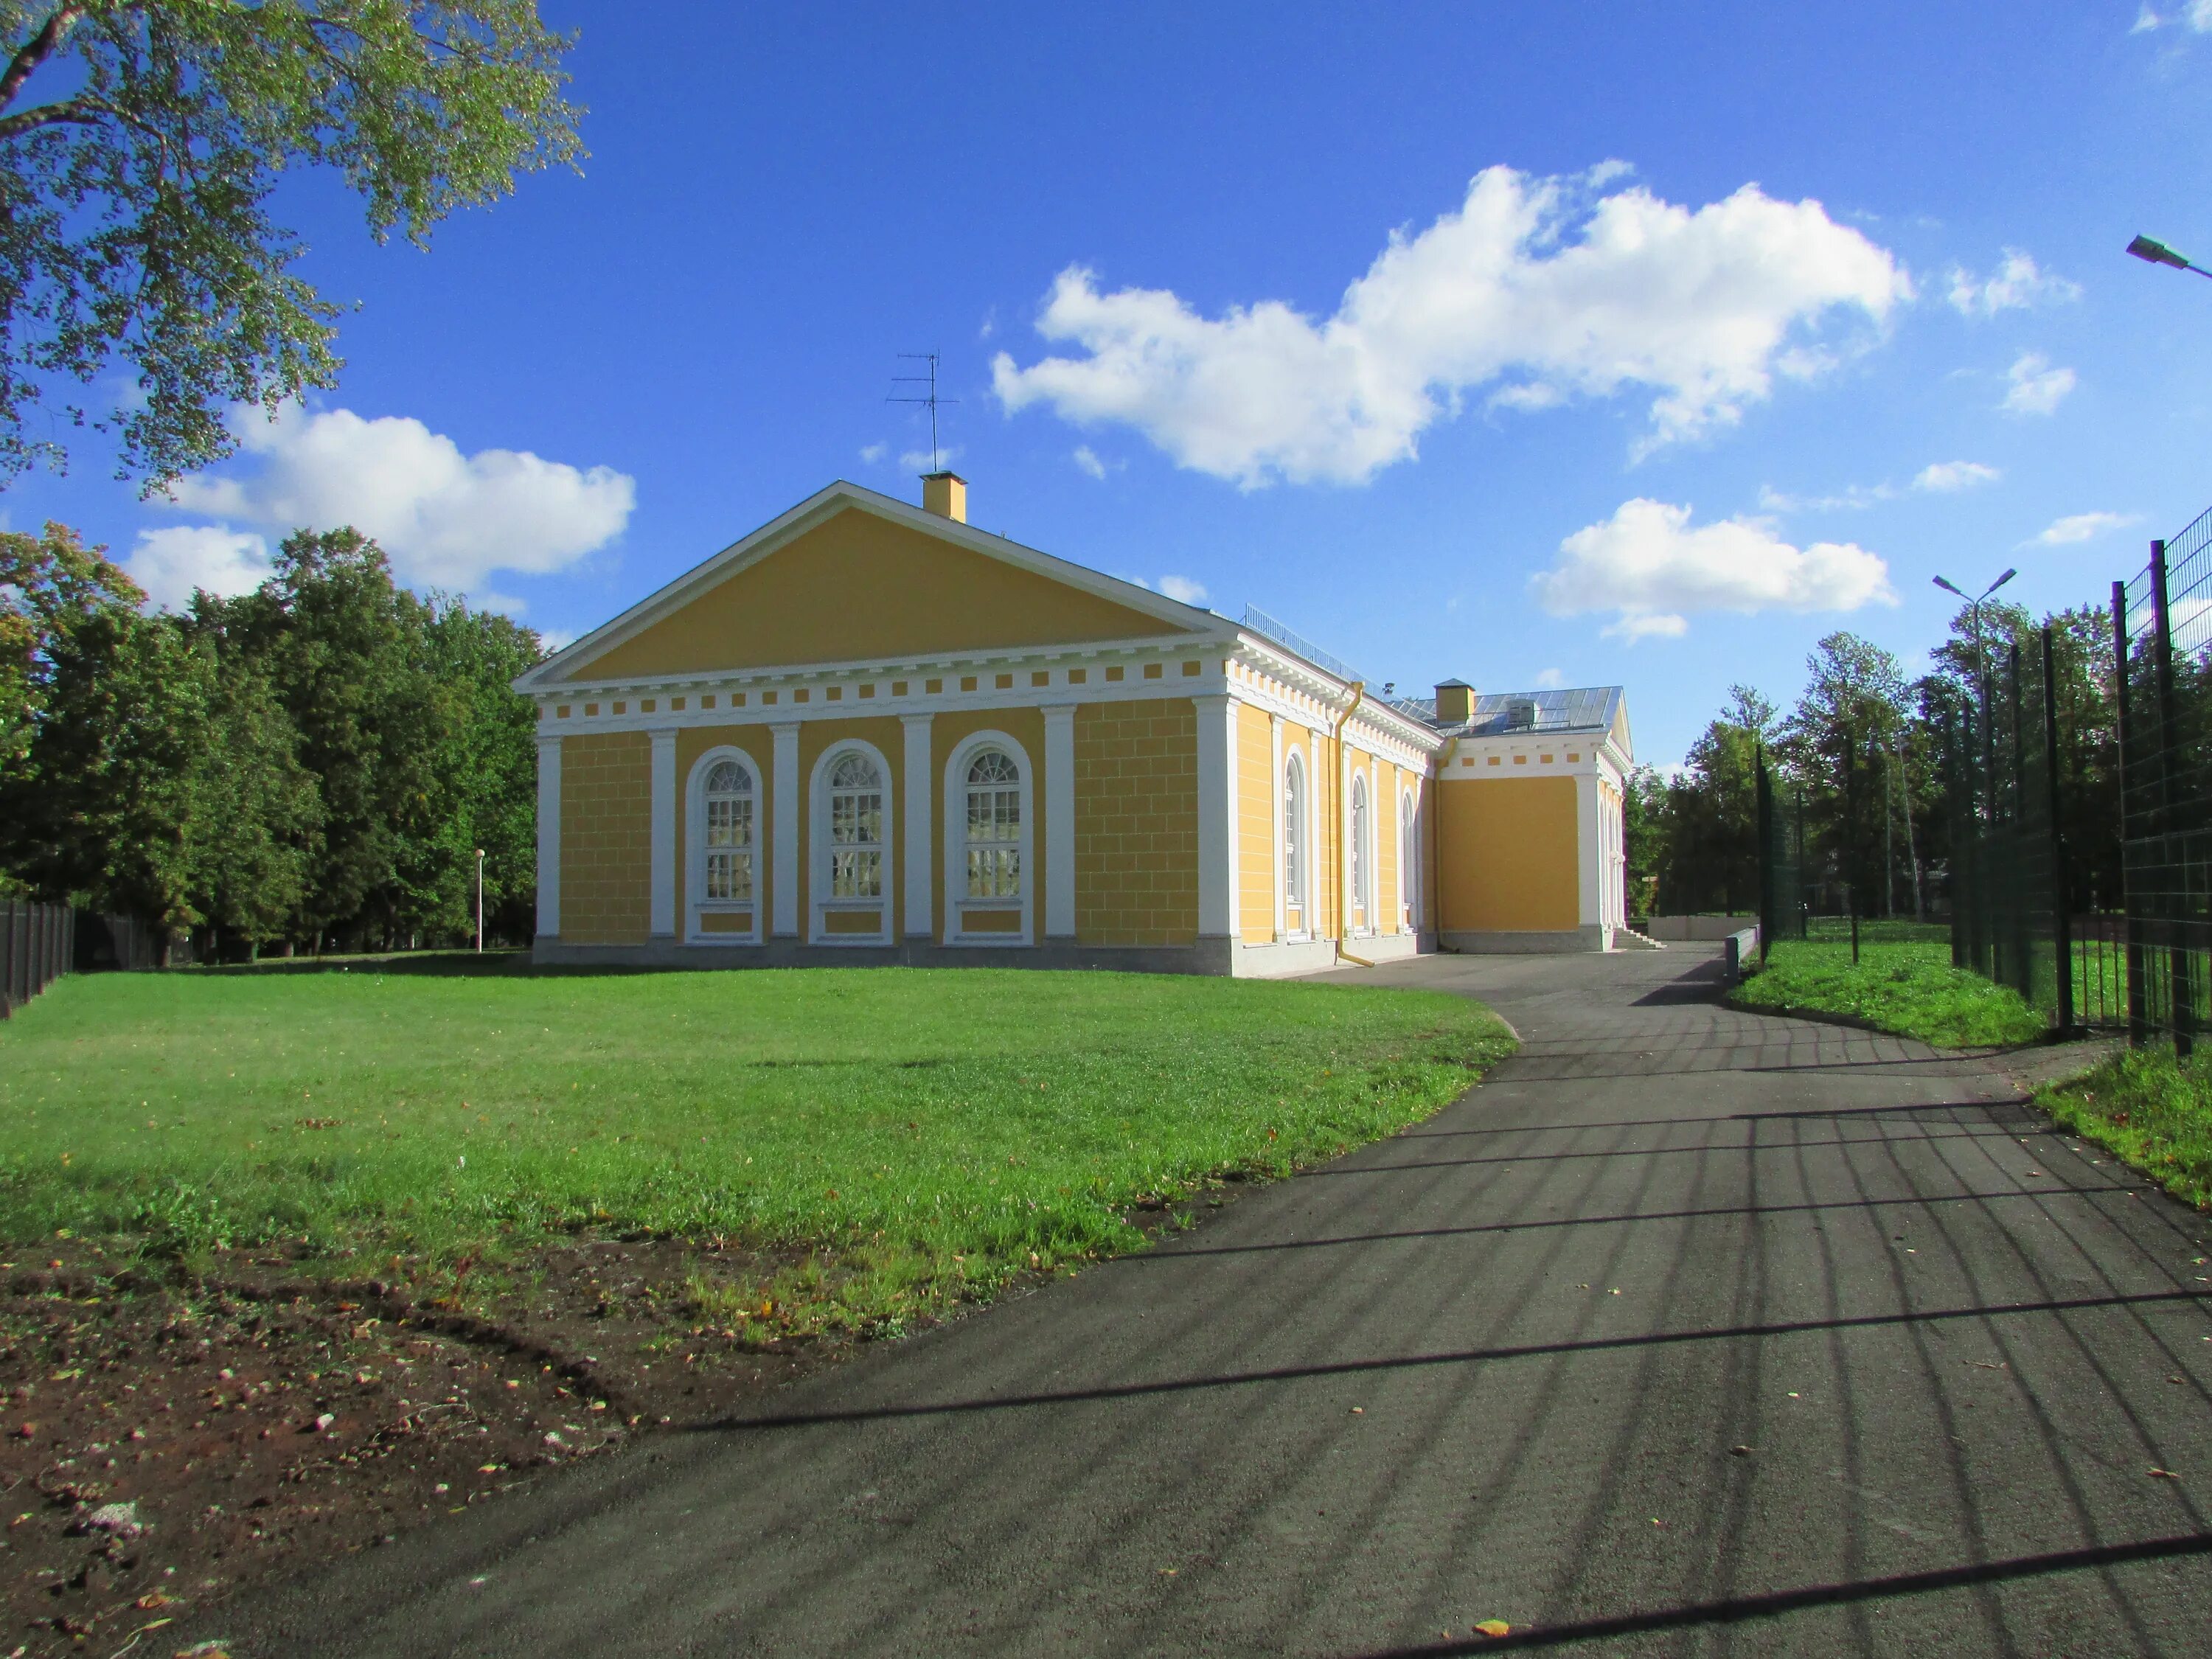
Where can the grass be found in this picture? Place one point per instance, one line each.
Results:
(2150, 1110)
(940, 1130)
(1903, 982)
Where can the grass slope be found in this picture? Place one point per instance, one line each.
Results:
(942, 1130)
(1904, 983)
(2150, 1110)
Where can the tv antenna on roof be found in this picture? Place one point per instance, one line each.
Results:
(936, 457)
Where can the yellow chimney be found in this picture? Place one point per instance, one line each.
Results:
(1455, 702)
(945, 494)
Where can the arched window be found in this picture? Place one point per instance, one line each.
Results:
(1294, 840)
(1363, 856)
(990, 852)
(856, 829)
(1409, 864)
(727, 832)
(721, 842)
(994, 827)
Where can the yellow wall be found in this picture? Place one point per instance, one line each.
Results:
(691, 742)
(1506, 854)
(858, 586)
(607, 838)
(1258, 804)
(1136, 822)
(946, 733)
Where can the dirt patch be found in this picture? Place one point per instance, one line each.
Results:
(167, 1438)
(163, 1442)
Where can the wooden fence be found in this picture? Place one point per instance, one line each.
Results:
(37, 945)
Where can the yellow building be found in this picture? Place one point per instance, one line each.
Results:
(871, 731)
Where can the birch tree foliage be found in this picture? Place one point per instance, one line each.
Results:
(140, 142)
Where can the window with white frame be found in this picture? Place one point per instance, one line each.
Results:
(726, 832)
(1363, 856)
(856, 828)
(1294, 833)
(1409, 863)
(993, 842)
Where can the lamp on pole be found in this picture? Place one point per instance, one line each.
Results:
(2159, 253)
(480, 858)
(1982, 684)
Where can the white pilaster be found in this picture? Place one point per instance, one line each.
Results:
(1058, 820)
(1590, 854)
(1217, 824)
(549, 837)
(1275, 810)
(783, 846)
(664, 832)
(921, 779)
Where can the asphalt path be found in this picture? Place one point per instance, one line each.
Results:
(1689, 1332)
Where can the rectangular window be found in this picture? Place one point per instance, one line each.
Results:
(856, 844)
(730, 848)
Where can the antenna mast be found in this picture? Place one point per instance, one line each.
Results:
(931, 399)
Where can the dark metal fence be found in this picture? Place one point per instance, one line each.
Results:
(37, 944)
(2162, 642)
(2011, 920)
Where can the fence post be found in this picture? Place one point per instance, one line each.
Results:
(1770, 913)
(2061, 914)
(2183, 991)
(1804, 910)
(2130, 935)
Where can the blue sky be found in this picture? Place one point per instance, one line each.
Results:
(1681, 312)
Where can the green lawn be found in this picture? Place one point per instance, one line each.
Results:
(944, 1130)
(2151, 1109)
(1904, 983)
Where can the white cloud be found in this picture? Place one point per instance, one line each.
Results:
(1550, 679)
(2082, 527)
(2196, 15)
(1649, 566)
(1945, 477)
(447, 519)
(873, 453)
(1530, 289)
(173, 562)
(556, 639)
(2033, 387)
(1088, 459)
(1183, 588)
(1772, 499)
(2017, 284)
(922, 460)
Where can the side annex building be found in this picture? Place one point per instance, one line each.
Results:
(871, 732)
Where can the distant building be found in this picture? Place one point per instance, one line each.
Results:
(870, 732)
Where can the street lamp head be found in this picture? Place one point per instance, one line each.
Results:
(2000, 582)
(2157, 253)
(1948, 588)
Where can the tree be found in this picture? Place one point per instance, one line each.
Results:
(1845, 741)
(341, 646)
(141, 139)
(488, 767)
(1709, 853)
(100, 806)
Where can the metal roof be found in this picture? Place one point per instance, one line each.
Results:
(1585, 708)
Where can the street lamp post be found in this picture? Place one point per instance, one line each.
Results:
(480, 858)
(1982, 686)
(2159, 253)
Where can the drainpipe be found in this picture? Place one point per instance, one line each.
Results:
(1343, 804)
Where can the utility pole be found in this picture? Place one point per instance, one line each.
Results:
(480, 859)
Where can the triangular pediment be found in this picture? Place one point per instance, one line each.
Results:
(853, 576)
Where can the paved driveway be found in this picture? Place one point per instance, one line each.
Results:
(1690, 1332)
